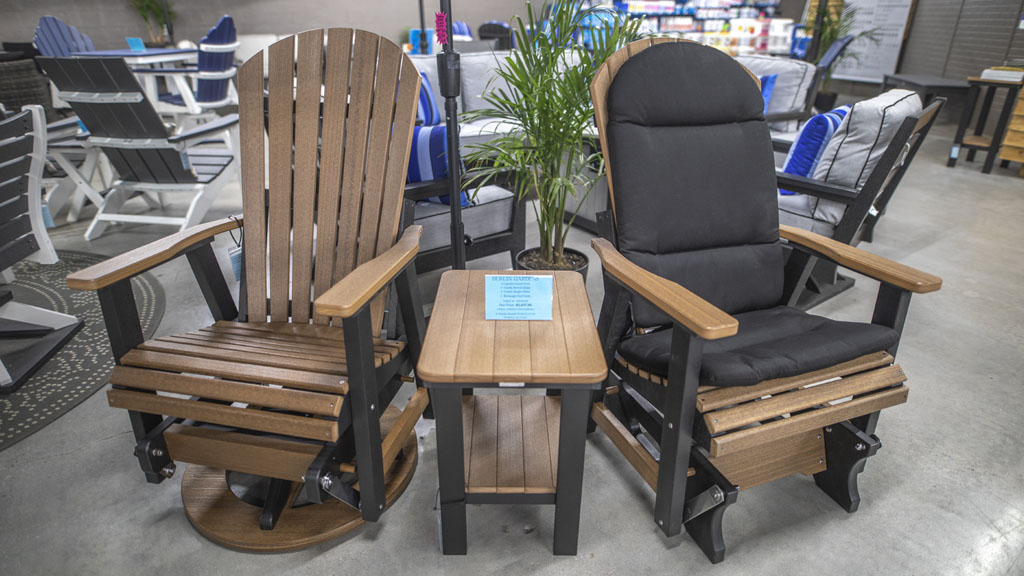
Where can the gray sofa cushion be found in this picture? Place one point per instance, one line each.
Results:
(490, 213)
(791, 86)
(427, 64)
(850, 157)
(478, 71)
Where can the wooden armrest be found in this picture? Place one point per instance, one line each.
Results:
(685, 307)
(145, 257)
(866, 263)
(352, 292)
(817, 188)
(416, 191)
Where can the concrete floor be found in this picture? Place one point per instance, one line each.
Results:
(945, 495)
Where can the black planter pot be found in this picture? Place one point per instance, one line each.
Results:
(582, 269)
(825, 101)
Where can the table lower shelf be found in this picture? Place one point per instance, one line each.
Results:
(511, 445)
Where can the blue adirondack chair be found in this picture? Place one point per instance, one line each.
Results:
(56, 39)
(212, 87)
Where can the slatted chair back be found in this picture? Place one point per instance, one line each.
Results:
(56, 39)
(309, 228)
(22, 152)
(216, 62)
(719, 220)
(108, 99)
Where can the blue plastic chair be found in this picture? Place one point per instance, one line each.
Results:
(215, 70)
(56, 39)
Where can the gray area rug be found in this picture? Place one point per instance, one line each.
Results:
(83, 366)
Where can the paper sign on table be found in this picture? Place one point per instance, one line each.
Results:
(518, 297)
(136, 44)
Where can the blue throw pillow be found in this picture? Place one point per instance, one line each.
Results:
(427, 114)
(767, 87)
(428, 159)
(810, 143)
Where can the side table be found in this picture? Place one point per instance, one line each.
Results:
(510, 449)
(988, 144)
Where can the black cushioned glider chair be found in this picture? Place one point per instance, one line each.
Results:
(718, 386)
(290, 390)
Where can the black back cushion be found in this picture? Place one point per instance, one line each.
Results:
(694, 177)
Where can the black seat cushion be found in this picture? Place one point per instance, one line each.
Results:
(694, 178)
(773, 343)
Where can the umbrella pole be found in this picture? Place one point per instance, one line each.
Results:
(450, 76)
(423, 30)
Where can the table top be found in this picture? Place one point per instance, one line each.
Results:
(989, 81)
(126, 53)
(461, 346)
(928, 80)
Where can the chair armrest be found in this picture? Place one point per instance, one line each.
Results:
(780, 145)
(824, 190)
(61, 129)
(346, 298)
(137, 261)
(874, 266)
(428, 189)
(784, 116)
(203, 130)
(685, 307)
(164, 71)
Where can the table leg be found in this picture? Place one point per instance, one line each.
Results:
(997, 137)
(450, 468)
(965, 121)
(569, 491)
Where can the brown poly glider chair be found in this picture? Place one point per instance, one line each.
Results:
(291, 391)
(718, 386)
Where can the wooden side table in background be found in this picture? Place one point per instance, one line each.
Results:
(510, 449)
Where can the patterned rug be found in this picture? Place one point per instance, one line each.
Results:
(83, 366)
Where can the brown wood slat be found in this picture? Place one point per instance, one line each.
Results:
(579, 335)
(252, 358)
(272, 422)
(797, 400)
(548, 356)
(511, 473)
(307, 132)
(251, 135)
(636, 454)
(383, 352)
(553, 410)
(800, 453)
(538, 476)
(468, 413)
(483, 467)
(750, 437)
(721, 397)
(512, 349)
(331, 351)
(281, 89)
(288, 330)
(446, 318)
(364, 64)
(389, 61)
(332, 156)
(475, 336)
(301, 379)
(248, 453)
(214, 389)
(398, 165)
(274, 348)
(399, 433)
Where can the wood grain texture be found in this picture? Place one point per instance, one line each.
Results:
(636, 454)
(255, 358)
(221, 517)
(866, 263)
(483, 457)
(720, 397)
(510, 439)
(802, 453)
(771, 431)
(260, 455)
(332, 157)
(403, 426)
(272, 422)
(279, 220)
(461, 346)
(683, 306)
(355, 289)
(511, 473)
(253, 171)
(228, 391)
(538, 475)
(803, 399)
(145, 257)
(308, 82)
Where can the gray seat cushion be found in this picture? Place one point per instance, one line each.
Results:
(792, 85)
(491, 213)
(773, 343)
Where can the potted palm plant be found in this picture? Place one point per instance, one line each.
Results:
(156, 15)
(543, 89)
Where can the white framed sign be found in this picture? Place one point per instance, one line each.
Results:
(889, 19)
